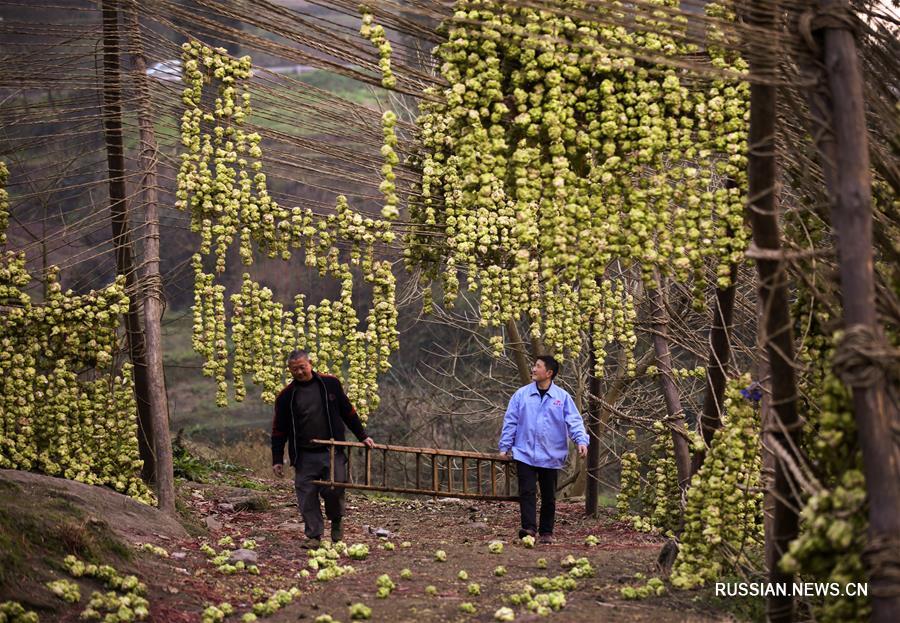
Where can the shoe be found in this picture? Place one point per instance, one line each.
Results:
(523, 533)
(546, 539)
(337, 532)
(312, 543)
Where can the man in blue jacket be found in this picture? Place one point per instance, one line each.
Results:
(539, 420)
(314, 406)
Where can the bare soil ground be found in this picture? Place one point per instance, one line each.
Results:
(181, 586)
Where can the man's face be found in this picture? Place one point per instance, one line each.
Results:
(539, 372)
(301, 369)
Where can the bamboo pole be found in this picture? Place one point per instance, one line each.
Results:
(121, 234)
(158, 403)
(773, 295)
(876, 415)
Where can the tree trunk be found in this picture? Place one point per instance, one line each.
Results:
(773, 293)
(717, 367)
(581, 397)
(121, 234)
(518, 348)
(613, 392)
(592, 486)
(537, 348)
(876, 415)
(667, 383)
(763, 375)
(153, 286)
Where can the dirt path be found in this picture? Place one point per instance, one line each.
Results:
(182, 587)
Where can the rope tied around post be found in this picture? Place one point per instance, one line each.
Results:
(862, 357)
(152, 285)
(835, 17)
(882, 558)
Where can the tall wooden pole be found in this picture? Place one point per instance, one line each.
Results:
(152, 286)
(876, 415)
(773, 293)
(667, 383)
(121, 234)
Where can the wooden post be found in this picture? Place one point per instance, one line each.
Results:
(418, 470)
(349, 464)
(877, 421)
(121, 234)
(773, 293)
(506, 477)
(384, 468)
(331, 463)
(368, 466)
(667, 383)
(434, 473)
(158, 403)
(450, 474)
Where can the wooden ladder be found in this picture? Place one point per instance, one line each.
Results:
(489, 480)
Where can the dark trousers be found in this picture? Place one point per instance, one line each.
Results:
(529, 478)
(316, 466)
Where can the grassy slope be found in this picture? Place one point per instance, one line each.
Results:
(36, 534)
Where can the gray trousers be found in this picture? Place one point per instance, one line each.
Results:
(316, 466)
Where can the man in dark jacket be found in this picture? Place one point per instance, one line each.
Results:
(314, 406)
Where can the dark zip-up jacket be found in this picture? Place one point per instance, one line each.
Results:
(338, 412)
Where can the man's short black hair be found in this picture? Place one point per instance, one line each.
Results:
(297, 354)
(550, 363)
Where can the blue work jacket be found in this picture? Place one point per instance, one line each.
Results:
(537, 428)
